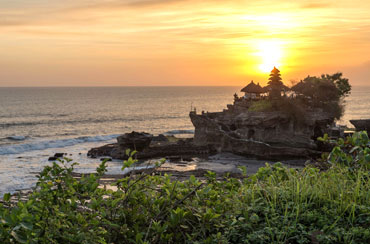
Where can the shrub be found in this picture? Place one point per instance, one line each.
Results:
(260, 106)
(276, 205)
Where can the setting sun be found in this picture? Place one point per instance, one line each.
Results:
(270, 53)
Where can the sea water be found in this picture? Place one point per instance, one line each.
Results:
(35, 123)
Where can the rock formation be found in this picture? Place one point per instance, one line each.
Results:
(361, 124)
(148, 148)
(270, 135)
(134, 140)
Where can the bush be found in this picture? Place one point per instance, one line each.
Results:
(293, 108)
(260, 106)
(276, 205)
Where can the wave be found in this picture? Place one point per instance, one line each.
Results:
(179, 132)
(17, 138)
(82, 121)
(42, 145)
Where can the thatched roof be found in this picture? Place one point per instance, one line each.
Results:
(299, 87)
(253, 88)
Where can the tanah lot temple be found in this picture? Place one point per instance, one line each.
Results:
(254, 91)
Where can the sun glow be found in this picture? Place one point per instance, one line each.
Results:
(270, 53)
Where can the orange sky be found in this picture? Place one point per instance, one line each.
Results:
(180, 42)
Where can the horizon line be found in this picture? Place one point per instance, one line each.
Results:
(117, 86)
(138, 86)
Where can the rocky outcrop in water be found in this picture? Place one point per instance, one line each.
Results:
(361, 124)
(270, 135)
(148, 148)
(135, 140)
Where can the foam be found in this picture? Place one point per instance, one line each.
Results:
(45, 144)
(179, 132)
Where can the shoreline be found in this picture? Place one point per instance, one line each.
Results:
(222, 164)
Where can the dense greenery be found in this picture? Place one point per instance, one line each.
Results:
(276, 205)
(326, 92)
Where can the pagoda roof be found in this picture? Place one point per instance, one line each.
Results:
(253, 88)
(275, 70)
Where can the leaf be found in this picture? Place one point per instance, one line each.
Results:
(19, 236)
(354, 149)
(367, 158)
(6, 197)
(26, 225)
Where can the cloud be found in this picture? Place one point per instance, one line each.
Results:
(316, 5)
(144, 3)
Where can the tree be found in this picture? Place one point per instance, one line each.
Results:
(325, 88)
(326, 92)
(342, 84)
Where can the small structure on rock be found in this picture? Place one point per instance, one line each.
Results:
(252, 91)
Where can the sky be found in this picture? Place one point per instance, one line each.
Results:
(180, 42)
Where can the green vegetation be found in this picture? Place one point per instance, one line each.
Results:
(276, 205)
(260, 105)
(326, 92)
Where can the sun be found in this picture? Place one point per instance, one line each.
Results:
(270, 53)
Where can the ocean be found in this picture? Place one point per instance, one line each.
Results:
(35, 123)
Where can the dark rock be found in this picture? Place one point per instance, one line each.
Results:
(183, 149)
(56, 156)
(59, 155)
(160, 138)
(135, 140)
(105, 150)
(361, 124)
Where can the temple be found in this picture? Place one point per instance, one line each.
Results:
(263, 123)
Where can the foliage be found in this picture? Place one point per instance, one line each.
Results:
(276, 205)
(293, 108)
(260, 105)
(325, 88)
(352, 152)
(326, 92)
(342, 84)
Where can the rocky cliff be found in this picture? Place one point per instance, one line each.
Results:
(260, 134)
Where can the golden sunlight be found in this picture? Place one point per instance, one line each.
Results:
(270, 53)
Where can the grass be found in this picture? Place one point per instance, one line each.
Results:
(260, 106)
(276, 205)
